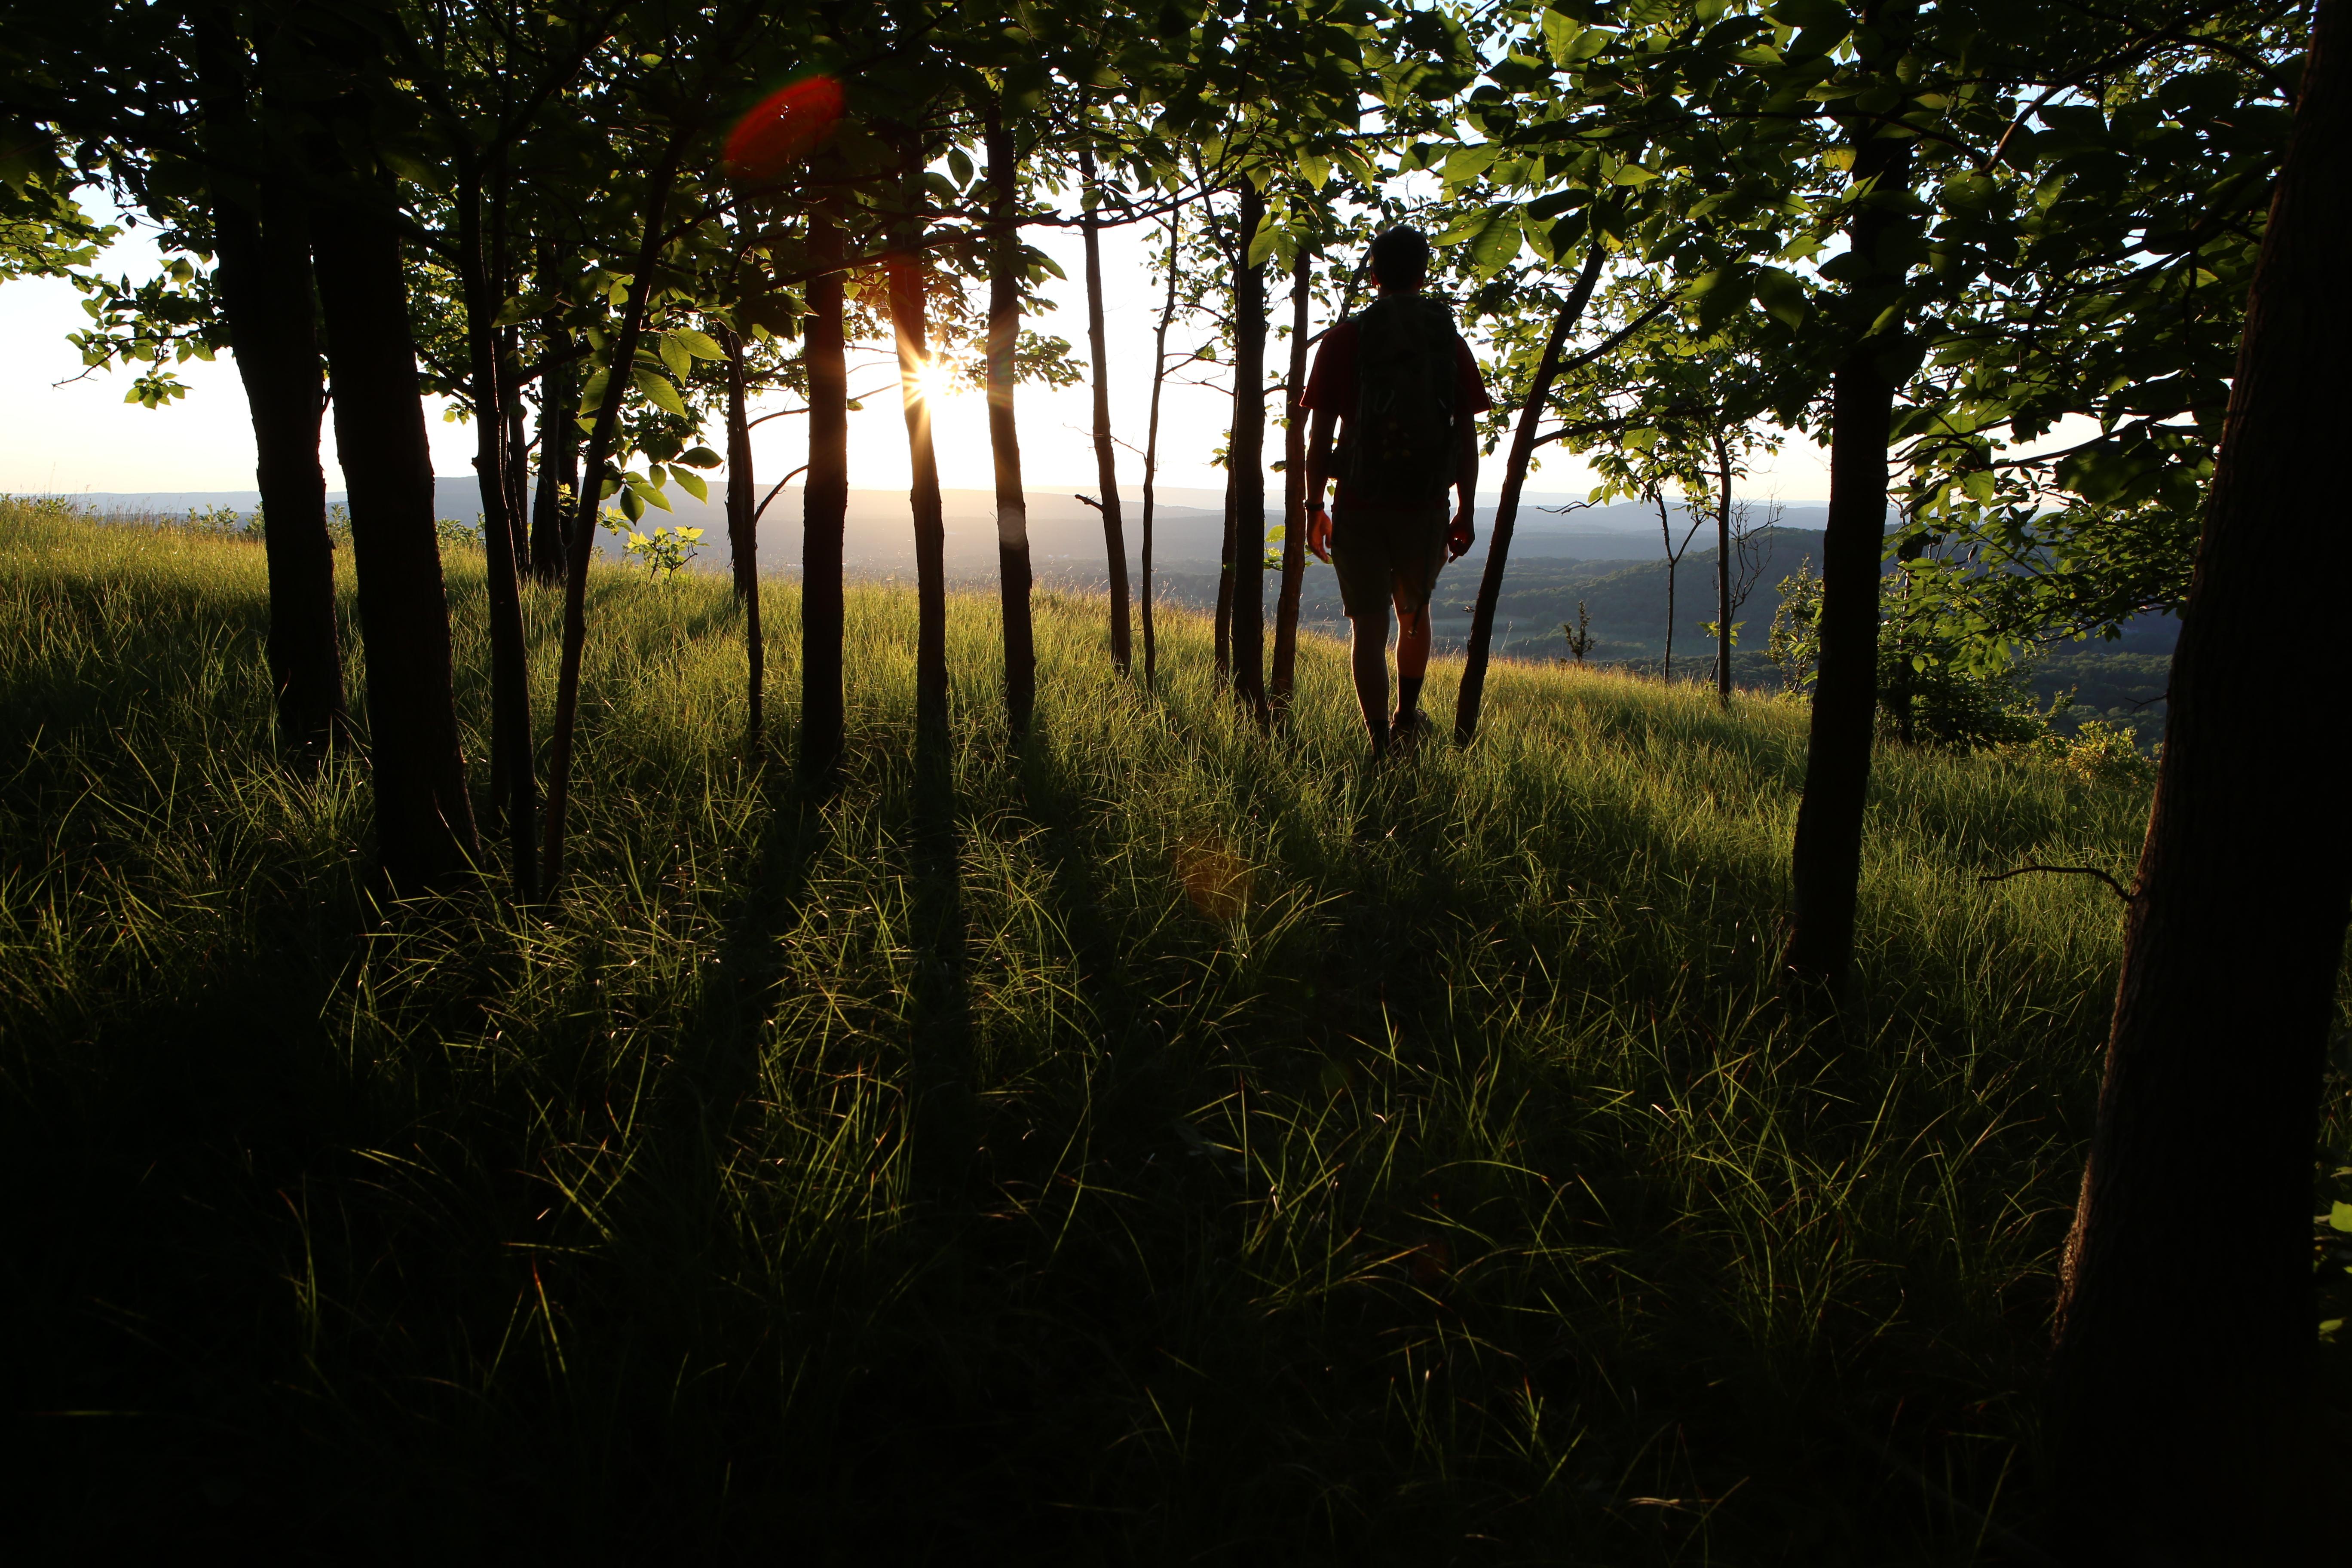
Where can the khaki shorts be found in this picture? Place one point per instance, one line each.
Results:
(1388, 552)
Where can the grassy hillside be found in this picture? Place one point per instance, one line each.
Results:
(1185, 1145)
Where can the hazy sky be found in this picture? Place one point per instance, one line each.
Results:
(83, 436)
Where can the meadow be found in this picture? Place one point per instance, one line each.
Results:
(1171, 1142)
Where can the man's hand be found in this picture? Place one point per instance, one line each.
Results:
(1461, 536)
(1319, 534)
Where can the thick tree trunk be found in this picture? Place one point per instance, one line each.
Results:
(909, 326)
(1723, 573)
(1006, 272)
(270, 301)
(2185, 1369)
(825, 502)
(1506, 509)
(269, 297)
(513, 784)
(1246, 453)
(1294, 486)
(1105, 459)
(559, 454)
(1826, 862)
(581, 538)
(743, 537)
(425, 820)
(1151, 457)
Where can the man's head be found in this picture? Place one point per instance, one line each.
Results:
(1400, 259)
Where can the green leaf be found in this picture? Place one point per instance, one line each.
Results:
(692, 483)
(633, 506)
(1497, 243)
(1782, 297)
(1263, 246)
(660, 393)
(673, 354)
(960, 166)
(700, 457)
(592, 396)
(2339, 1216)
(700, 344)
(1558, 33)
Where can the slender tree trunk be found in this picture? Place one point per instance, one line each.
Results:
(1246, 452)
(2185, 1369)
(1006, 272)
(743, 536)
(1723, 571)
(581, 539)
(1826, 864)
(517, 463)
(1105, 460)
(1673, 565)
(425, 820)
(1151, 457)
(559, 454)
(1294, 486)
(908, 323)
(1506, 509)
(513, 784)
(272, 304)
(1225, 625)
(825, 502)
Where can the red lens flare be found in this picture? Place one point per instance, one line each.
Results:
(782, 130)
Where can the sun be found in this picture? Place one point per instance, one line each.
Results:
(940, 377)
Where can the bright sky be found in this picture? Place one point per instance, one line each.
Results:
(83, 436)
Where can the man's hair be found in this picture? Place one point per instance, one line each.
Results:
(1400, 257)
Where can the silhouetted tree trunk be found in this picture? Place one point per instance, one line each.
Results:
(518, 464)
(1246, 453)
(425, 820)
(824, 502)
(909, 325)
(1223, 651)
(558, 452)
(512, 768)
(271, 305)
(1506, 510)
(743, 535)
(2185, 1368)
(1006, 272)
(1151, 454)
(1826, 864)
(1722, 572)
(1293, 484)
(268, 295)
(1105, 460)
(582, 538)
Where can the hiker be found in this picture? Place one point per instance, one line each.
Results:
(1407, 390)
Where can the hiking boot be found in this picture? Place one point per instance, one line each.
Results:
(1406, 730)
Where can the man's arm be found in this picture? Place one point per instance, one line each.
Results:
(1318, 467)
(1465, 531)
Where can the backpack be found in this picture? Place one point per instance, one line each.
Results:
(1401, 435)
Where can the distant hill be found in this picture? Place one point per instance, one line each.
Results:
(1065, 534)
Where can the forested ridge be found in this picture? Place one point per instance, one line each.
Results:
(991, 1049)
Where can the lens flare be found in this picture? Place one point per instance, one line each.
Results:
(785, 128)
(938, 377)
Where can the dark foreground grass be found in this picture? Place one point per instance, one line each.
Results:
(1179, 1145)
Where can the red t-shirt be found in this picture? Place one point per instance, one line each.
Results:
(1333, 383)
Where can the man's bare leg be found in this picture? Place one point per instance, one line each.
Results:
(1369, 657)
(1413, 655)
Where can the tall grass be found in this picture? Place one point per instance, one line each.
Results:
(1181, 1143)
